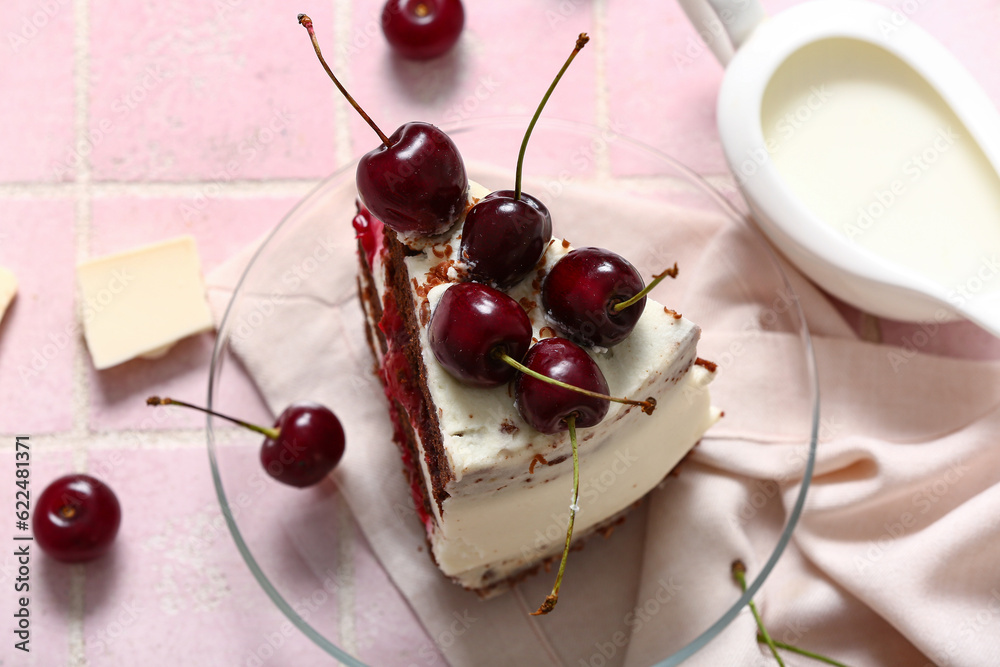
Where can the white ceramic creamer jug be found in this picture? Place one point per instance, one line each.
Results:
(867, 153)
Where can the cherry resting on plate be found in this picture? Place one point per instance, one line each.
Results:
(422, 29)
(470, 324)
(581, 290)
(76, 518)
(506, 233)
(546, 407)
(415, 181)
(303, 447)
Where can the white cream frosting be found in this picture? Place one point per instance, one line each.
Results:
(499, 518)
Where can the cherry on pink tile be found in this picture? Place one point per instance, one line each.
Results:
(478, 78)
(175, 589)
(46, 582)
(36, 119)
(39, 333)
(212, 91)
(222, 227)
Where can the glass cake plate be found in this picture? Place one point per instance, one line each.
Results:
(294, 540)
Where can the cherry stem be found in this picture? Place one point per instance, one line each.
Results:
(308, 23)
(647, 406)
(552, 598)
(269, 432)
(802, 651)
(657, 279)
(739, 574)
(581, 41)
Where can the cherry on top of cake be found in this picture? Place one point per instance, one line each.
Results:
(415, 180)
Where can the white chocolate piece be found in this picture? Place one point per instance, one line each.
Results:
(142, 301)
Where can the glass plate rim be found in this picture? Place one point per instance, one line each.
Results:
(458, 128)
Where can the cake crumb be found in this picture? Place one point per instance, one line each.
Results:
(670, 311)
(508, 427)
(535, 461)
(425, 313)
(710, 366)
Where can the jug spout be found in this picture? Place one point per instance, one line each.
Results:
(724, 24)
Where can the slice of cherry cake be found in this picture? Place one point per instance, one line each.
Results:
(492, 492)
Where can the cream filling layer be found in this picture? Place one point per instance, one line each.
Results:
(510, 531)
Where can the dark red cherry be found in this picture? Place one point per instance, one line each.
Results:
(416, 184)
(415, 180)
(310, 443)
(422, 29)
(546, 407)
(530, 200)
(76, 518)
(470, 322)
(581, 290)
(502, 240)
(302, 447)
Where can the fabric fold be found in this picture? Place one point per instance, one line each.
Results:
(893, 561)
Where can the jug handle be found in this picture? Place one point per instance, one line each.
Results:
(736, 18)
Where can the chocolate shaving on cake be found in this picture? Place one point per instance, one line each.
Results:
(710, 366)
(535, 461)
(527, 304)
(670, 311)
(508, 427)
(439, 273)
(547, 332)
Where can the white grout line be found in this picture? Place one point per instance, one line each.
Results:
(602, 111)
(131, 440)
(342, 19)
(345, 576)
(77, 607)
(147, 189)
(81, 390)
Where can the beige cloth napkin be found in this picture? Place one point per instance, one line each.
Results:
(895, 558)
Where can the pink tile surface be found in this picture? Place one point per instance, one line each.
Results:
(191, 96)
(677, 77)
(36, 121)
(175, 590)
(211, 91)
(48, 581)
(38, 336)
(490, 73)
(221, 228)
